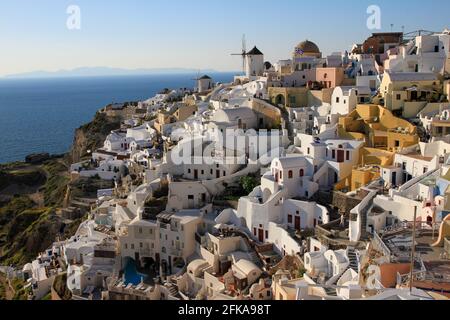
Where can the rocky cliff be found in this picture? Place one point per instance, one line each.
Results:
(91, 136)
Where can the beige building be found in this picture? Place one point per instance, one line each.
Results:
(299, 97)
(407, 93)
(185, 112)
(283, 287)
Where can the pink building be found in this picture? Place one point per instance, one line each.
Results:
(330, 77)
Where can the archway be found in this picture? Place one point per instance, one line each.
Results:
(280, 100)
(430, 221)
(266, 194)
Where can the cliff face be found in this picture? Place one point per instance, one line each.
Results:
(91, 136)
(31, 194)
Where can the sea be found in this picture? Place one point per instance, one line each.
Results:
(41, 115)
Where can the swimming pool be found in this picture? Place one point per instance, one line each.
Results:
(131, 274)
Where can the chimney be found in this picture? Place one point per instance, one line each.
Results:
(302, 290)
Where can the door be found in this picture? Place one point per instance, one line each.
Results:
(394, 178)
(413, 95)
(261, 235)
(297, 223)
(340, 156)
(195, 174)
(137, 259)
(191, 203)
(217, 174)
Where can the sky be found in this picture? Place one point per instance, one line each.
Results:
(198, 34)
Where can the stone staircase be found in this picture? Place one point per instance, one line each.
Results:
(330, 291)
(354, 264)
(255, 259)
(173, 290)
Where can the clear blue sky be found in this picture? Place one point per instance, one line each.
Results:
(190, 33)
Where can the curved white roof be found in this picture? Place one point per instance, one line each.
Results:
(27, 267)
(196, 264)
(246, 266)
(232, 114)
(291, 161)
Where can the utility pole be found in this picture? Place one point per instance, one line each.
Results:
(413, 251)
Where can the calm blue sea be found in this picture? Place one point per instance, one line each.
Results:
(41, 115)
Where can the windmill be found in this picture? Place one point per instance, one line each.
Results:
(243, 54)
(196, 79)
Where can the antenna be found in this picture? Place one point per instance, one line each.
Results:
(244, 52)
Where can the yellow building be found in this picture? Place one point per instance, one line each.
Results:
(384, 135)
(379, 128)
(407, 93)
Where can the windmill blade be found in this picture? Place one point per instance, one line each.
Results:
(244, 52)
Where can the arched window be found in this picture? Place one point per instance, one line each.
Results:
(291, 175)
(302, 173)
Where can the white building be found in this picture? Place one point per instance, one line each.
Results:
(345, 99)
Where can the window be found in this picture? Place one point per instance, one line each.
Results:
(292, 99)
(267, 234)
(325, 75)
(333, 154)
(126, 246)
(291, 175)
(309, 151)
(302, 172)
(289, 219)
(132, 246)
(281, 175)
(337, 99)
(189, 171)
(399, 96)
(425, 170)
(348, 155)
(141, 245)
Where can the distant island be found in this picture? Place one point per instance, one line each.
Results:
(104, 71)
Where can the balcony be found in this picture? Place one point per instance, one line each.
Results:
(145, 252)
(175, 252)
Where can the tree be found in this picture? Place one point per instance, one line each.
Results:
(248, 183)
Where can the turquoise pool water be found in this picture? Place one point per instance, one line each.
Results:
(131, 274)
